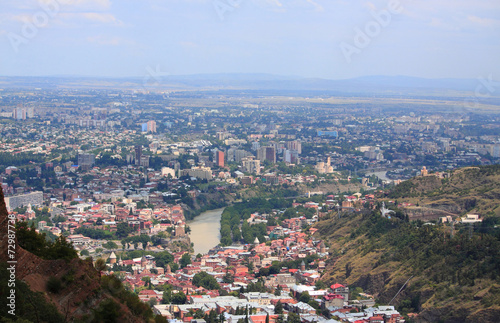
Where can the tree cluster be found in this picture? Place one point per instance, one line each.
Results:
(38, 244)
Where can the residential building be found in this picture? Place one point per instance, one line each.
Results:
(251, 165)
(267, 154)
(34, 198)
(219, 158)
(151, 126)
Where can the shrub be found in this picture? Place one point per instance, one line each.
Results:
(37, 244)
(54, 285)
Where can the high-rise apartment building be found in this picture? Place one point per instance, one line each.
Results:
(30, 113)
(138, 155)
(151, 126)
(86, 161)
(251, 165)
(22, 113)
(219, 158)
(495, 151)
(291, 157)
(267, 154)
(294, 145)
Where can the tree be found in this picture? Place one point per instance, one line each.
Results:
(100, 265)
(160, 319)
(110, 245)
(164, 258)
(305, 297)
(293, 318)
(179, 298)
(152, 301)
(167, 294)
(205, 280)
(271, 222)
(320, 285)
(87, 178)
(123, 230)
(228, 278)
(37, 244)
(108, 311)
(58, 219)
(211, 317)
(278, 309)
(185, 260)
(54, 285)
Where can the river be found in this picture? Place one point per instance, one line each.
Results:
(205, 230)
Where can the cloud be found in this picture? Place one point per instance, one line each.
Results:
(108, 41)
(316, 5)
(83, 4)
(40, 21)
(23, 18)
(445, 8)
(95, 17)
(483, 22)
(64, 5)
(439, 23)
(105, 18)
(275, 2)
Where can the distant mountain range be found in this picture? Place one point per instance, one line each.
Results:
(366, 84)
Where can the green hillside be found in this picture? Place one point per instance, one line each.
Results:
(453, 273)
(472, 189)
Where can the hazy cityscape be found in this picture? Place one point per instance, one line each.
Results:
(254, 161)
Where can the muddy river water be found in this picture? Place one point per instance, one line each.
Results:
(205, 230)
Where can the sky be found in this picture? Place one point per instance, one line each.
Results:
(332, 39)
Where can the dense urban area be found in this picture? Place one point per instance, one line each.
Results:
(124, 174)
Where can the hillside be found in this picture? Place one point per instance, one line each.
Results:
(62, 290)
(453, 276)
(471, 189)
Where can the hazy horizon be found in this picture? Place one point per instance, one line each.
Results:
(276, 76)
(332, 39)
